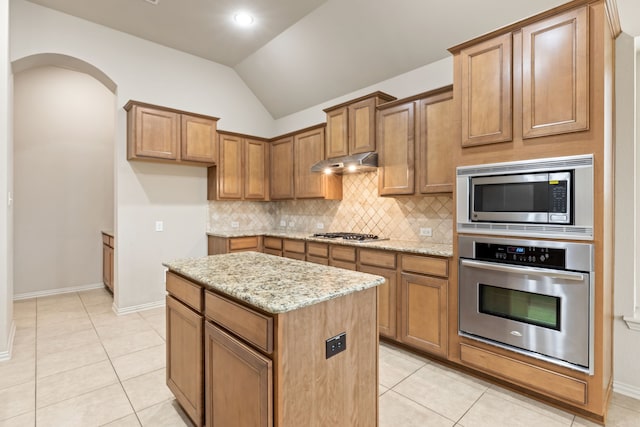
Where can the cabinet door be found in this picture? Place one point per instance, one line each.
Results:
(198, 139)
(157, 133)
(555, 75)
(396, 129)
(238, 382)
(185, 367)
(386, 299)
(230, 167)
(308, 149)
(486, 92)
(423, 313)
(281, 169)
(107, 266)
(436, 141)
(362, 126)
(337, 133)
(256, 177)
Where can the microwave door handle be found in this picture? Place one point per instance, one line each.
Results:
(567, 275)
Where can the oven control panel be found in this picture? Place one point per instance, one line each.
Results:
(521, 255)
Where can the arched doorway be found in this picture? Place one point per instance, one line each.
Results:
(64, 125)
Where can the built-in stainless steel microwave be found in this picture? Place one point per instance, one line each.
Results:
(543, 197)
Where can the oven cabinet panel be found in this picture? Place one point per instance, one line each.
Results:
(523, 373)
(423, 313)
(238, 381)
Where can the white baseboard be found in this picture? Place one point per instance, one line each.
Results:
(6, 355)
(58, 291)
(135, 308)
(626, 389)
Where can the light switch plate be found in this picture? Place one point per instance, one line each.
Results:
(426, 231)
(159, 226)
(235, 224)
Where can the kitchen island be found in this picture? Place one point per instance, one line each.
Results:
(260, 340)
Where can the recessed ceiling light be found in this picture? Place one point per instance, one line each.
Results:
(243, 18)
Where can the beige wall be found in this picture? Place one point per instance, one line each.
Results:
(626, 341)
(63, 171)
(6, 210)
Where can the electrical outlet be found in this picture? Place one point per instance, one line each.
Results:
(235, 224)
(335, 345)
(292, 224)
(426, 231)
(320, 226)
(283, 223)
(159, 226)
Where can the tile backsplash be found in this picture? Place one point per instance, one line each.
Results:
(360, 211)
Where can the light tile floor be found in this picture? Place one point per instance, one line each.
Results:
(78, 364)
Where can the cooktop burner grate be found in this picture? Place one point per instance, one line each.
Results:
(347, 236)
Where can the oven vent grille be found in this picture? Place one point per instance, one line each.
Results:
(540, 230)
(557, 163)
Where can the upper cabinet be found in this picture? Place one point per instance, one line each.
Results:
(555, 69)
(415, 138)
(242, 169)
(162, 134)
(486, 92)
(290, 168)
(351, 126)
(532, 79)
(281, 169)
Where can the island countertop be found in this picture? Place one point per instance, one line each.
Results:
(270, 283)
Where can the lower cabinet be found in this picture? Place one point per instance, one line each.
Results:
(184, 356)
(386, 300)
(107, 260)
(423, 313)
(246, 397)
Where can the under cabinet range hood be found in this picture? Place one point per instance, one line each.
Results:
(363, 162)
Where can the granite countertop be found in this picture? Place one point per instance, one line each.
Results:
(273, 284)
(409, 246)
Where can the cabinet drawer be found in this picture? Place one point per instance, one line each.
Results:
(540, 379)
(425, 265)
(105, 239)
(378, 258)
(343, 264)
(243, 243)
(294, 246)
(294, 255)
(248, 324)
(273, 243)
(318, 249)
(343, 253)
(187, 292)
(318, 259)
(276, 252)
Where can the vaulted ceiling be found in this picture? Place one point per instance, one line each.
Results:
(299, 53)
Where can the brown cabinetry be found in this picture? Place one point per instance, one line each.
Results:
(157, 133)
(239, 389)
(552, 57)
(351, 126)
(242, 169)
(281, 169)
(294, 249)
(290, 167)
(108, 245)
(185, 367)
(415, 140)
(223, 245)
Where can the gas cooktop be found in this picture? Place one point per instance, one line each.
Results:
(358, 237)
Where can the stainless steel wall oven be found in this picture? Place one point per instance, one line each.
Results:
(533, 297)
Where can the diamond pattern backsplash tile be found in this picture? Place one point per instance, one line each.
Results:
(360, 211)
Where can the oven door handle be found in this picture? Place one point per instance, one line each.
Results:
(554, 274)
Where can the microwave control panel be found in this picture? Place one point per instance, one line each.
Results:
(521, 255)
